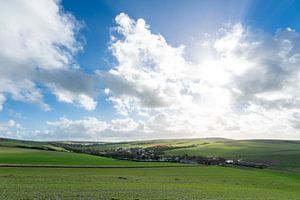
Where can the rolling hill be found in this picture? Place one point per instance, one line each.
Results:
(120, 179)
(18, 152)
(278, 154)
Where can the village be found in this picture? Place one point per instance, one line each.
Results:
(156, 154)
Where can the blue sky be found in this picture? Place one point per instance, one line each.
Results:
(125, 70)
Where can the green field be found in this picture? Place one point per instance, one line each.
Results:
(29, 144)
(279, 154)
(283, 155)
(215, 183)
(158, 180)
(13, 155)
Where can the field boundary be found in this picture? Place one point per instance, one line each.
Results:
(93, 166)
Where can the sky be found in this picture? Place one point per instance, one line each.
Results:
(123, 70)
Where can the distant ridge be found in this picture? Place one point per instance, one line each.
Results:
(211, 139)
(279, 154)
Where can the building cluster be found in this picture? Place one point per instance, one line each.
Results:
(156, 154)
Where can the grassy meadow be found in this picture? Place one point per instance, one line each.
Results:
(12, 155)
(278, 154)
(24, 156)
(157, 181)
(152, 183)
(282, 155)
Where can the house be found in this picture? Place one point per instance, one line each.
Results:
(229, 162)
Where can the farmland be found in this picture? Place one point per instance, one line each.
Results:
(13, 155)
(123, 179)
(278, 154)
(156, 183)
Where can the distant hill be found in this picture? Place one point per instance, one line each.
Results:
(4, 142)
(279, 154)
(21, 152)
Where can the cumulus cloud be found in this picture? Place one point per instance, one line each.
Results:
(147, 65)
(265, 67)
(24, 90)
(9, 124)
(244, 85)
(119, 129)
(126, 124)
(38, 40)
(11, 129)
(2, 100)
(83, 129)
(90, 128)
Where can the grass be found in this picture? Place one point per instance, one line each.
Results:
(13, 155)
(184, 182)
(217, 183)
(29, 144)
(279, 154)
(283, 155)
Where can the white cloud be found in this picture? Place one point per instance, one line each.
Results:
(24, 90)
(87, 102)
(166, 125)
(10, 125)
(244, 85)
(68, 129)
(67, 96)
(12, 129)
(120, 129)
(126, 124)
(2, 100)
(149, 71)
(89, 128)
(38, 32)
(38, 40)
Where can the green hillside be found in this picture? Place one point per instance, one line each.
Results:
(211, 183)
(13, 155)
(178, 181)
(278, 154)
(24, 156)
(4, 142)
